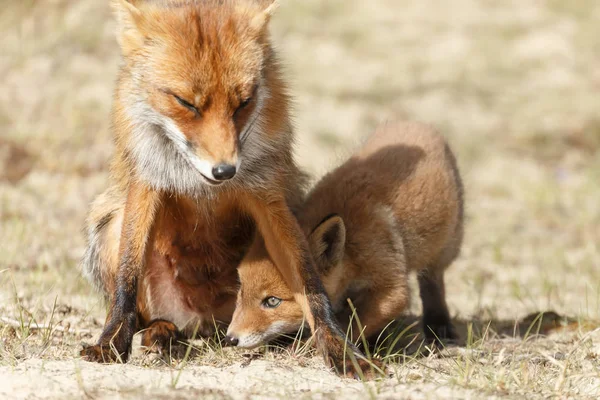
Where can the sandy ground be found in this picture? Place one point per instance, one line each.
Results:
(514, 85)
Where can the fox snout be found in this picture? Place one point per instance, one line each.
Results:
(214, 173)
(223, 171)
(244, 337)
(217, 160)
(231, 341)
(246, 340)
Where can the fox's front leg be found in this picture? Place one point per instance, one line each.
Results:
(115, 341)
(287, 245)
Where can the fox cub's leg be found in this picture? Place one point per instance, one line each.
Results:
(115, 341)
(436, 318)
(380, 308)
(287, 245)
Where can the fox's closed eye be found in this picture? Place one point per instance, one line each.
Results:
(244, 103)
(272, 302)
(186, 104)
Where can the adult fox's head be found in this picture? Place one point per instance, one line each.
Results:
(199, 79)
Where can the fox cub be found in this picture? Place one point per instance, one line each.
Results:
(396, 206)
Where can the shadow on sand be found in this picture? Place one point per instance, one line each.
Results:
(405, 337)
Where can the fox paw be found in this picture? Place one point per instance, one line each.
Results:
(357, 367)
(440, 334)
(102, 354)
(161, 336)
(344, 357)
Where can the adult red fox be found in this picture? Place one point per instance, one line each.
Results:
(396, 206)
(203, 158)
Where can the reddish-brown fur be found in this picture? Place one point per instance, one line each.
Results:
(199, 86)
(396, 206)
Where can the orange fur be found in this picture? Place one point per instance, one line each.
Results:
(199, 87)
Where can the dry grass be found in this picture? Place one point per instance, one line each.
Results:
(514, 85)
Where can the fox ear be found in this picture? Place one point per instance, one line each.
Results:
(261, 19)
(270, 6)
(328, 241)
(129, 17)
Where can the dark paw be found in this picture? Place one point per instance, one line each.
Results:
(355, 366)
(161, 336)
(346, 359)
(440, 333)
(104, 354)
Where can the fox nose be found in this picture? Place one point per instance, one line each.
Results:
(223, 172)
(232, 341)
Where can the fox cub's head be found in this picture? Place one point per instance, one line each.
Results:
(195, 84)
(266, 307)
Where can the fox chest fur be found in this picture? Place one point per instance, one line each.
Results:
(191, 262)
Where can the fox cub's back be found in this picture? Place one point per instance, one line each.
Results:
(404, 176)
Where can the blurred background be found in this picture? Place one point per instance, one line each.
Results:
(514, 85)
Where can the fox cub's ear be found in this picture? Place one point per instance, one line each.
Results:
(129, 18)
(328, 241)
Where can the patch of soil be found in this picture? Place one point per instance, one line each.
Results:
(15, 162)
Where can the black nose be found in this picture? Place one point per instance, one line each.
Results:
(232, 341)
(223, 172)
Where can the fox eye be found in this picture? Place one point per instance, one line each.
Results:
(186, 104)
(271, 302)
(244, 103)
